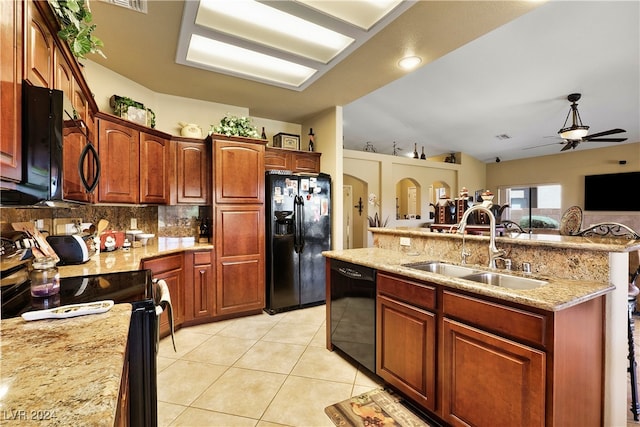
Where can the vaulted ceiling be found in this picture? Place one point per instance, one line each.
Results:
(489, 68)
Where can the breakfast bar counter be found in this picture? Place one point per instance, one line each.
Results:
(63, 372)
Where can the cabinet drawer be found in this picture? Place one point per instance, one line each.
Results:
(200, 258)
(415, 293)
(166, 263)
(503, 320)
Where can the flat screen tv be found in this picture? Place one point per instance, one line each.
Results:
(612, 192)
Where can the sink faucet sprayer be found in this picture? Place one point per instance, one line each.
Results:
(494, 252)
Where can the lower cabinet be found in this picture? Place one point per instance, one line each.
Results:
(199, 286)
(240, 277)
(489, 380)
(170, 269)
(474, 361)
(406, 336)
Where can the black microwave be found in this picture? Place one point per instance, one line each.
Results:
(43, 111)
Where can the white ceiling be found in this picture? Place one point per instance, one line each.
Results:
(491, 68)
(514, 81)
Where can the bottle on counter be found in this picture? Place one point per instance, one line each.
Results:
(45, 278)
(204, 231)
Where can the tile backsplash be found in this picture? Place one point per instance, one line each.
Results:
(164, 221)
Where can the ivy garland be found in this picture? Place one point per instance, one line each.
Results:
(76, 28)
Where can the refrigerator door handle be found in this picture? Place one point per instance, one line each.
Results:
(298, 236)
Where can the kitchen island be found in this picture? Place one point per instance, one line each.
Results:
(64, 372)
(582, 273)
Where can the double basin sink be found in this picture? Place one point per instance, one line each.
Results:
(479, 276)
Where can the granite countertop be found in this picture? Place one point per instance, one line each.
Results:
(63, 372)
(557, 295)
(604, 244)
(121, 260)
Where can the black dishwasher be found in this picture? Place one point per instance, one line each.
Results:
(353, 311)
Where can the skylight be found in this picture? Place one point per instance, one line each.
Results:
(283, 43)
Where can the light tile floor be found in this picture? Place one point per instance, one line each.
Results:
(259, 370)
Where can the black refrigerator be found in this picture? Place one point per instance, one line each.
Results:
(298, 229)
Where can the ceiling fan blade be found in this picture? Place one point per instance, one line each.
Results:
(543, 145)
(569, 145)
(606, 132)
(607, 139)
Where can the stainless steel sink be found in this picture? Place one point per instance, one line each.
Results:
(442, 268)
(505, 280)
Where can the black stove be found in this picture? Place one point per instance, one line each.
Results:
(122, 287)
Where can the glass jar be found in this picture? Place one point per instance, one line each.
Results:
(45, 279)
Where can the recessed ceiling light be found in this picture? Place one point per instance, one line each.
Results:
(263, 24)
(409, 62)
(246, 62)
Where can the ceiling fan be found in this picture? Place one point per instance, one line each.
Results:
(577, 132)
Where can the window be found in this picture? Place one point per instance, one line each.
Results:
(535, 207)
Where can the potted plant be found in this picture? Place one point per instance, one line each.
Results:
(235, 126)
(75, 19)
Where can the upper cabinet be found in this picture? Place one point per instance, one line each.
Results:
(192, 177)
(135, 163)
(11, 90)
(39, 48)
(290, 160)
(239, 172)
(154, 168)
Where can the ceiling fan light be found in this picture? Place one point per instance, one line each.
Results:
(574, 132)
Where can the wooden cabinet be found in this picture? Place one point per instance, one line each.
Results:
(510, 365)
(74, 143)
(11, 90)
(170, 269)
(489, 380)
(39, 48)
(135, 163)
(239, 225)
(199, 286)
(192, 177)
(294, 161)
(406, 337)
(118, 146)
(154, 169)
(239, 172)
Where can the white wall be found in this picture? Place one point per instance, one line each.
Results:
(169, 109)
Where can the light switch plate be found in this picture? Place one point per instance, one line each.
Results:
(134, 223)
(405, 241)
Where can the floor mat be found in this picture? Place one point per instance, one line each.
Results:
(375, 408)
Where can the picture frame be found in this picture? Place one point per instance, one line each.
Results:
(287, 141)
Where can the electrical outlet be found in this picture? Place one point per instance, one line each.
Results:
(134, 223)
(405, 241)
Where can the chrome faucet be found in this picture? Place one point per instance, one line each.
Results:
(494, 253)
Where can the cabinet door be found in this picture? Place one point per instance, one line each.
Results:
(74, 142)
(192, 173)
(11, 90)
(154, 169)
(406, 349)
(39, 48)
(202, 287)
(276, 159)
(489, 380)
(170, 269)
(239, 259)
(239, 172)
(118, 148)
(63, 79)
(306, 162)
